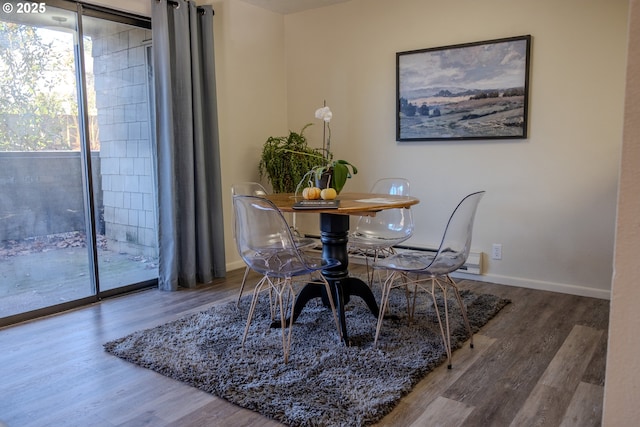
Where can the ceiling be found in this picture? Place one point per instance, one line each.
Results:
(292, 6)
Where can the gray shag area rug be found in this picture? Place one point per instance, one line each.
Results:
(324, 383)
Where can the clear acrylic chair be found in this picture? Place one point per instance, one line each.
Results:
(419, 271)
(248, 189)
(375, 236)
(265, 242)
(256, 189)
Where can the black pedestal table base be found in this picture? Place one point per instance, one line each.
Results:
(334, 231)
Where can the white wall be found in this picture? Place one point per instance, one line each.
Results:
(551, 199)
(250, 77)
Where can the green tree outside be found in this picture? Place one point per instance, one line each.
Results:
(33, 115)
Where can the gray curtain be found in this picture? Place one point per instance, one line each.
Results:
(191, 236)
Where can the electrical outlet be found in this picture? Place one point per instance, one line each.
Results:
(496, 251)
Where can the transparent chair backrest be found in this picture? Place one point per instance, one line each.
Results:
(248, 189)
(262, 235)
(456, 241)
(396, 186)
(389, 224)
(256, 189)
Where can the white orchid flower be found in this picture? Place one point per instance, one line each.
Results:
(324, 113)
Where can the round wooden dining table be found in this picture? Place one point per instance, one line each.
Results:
(334, 235)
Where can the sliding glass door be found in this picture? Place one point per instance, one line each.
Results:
(77, 176)
(119, 90)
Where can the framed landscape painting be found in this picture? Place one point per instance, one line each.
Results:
(468, 91)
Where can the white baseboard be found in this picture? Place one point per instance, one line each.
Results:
(562, 288)
(506, 280)
(235, 265)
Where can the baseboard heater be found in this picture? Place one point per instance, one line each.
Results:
(472, 266)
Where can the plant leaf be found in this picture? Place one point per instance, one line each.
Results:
(340, 175)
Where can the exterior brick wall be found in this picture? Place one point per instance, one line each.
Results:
(121, 77)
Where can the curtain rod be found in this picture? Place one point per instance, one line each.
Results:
(200, 10)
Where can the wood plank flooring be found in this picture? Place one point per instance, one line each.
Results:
(540, 362)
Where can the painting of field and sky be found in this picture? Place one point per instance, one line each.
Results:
(469, 91)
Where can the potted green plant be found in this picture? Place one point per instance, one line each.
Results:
(330, 173)
(285, 160)
(334, 174)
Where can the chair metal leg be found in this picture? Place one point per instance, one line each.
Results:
(252, 307)
(384, 302)
(412, 313)
(410, 295)
(376, 256)
(446, 339)
(463, 309)
(439, 285)
(381, 311)
(286, 334)
(282, 298)
(369, 270)
(290, 313)
(279, 288)
(387, 253)
(333, 306)
(445, 298)
(244, 280)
